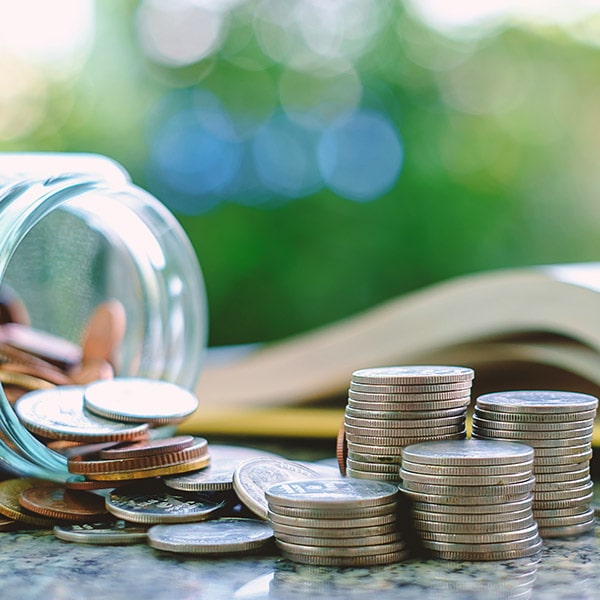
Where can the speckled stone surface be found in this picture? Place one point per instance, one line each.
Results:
(35, 565)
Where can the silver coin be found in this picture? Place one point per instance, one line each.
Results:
(534, 441)
(408, 425)
(474, 529)
(575, 501)
(370, 413)
(507, 489)
(466, 480)
(550, 469)
(562, 459)
(468, 452)
(333, 523)
(396, 432)
(560, 428)
(359, 533)
(468, 470)
(491, 554)
(483, 547)
(252, 477)
(152, 502)
(218, 476)
(564, 494)
(407, 415)
(413, 374)
(543, 454)
(464, 500)
(133, 399)
(532, 418)
(568, 530)
(401, 399)
(561, 477)
(562, 513)
(340, 542)
(331, 493)
(344, 551)
(347, 561)
(409, 406)
(371, 440)
(508, 508)
(387, 454)
(375, 458)
(372, 467)
(58, 413)
(375, 388)
(102, 534)
(557, 486)
(334, 512)
(577, 519)
(471, 519)
(388, 477)
(481, 538)
(219, 536)
(537, 401)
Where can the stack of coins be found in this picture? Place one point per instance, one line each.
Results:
(393, 407)
(336, 522)
(471, 499)
(558, 425)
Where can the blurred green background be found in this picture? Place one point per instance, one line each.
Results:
(325, 155)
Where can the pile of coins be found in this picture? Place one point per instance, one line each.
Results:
(558, 426)
(471, 499)
(336, 522)
(390, 408)
(32, 359)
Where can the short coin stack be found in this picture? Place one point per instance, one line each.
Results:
(393, 407)
(558, 425)
(471, 499)
(336, 522)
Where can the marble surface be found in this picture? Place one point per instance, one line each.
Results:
(36, 565)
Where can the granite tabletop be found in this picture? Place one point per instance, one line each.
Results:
(36, 565)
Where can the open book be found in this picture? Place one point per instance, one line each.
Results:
(526, 328)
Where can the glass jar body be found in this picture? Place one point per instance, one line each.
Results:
(75, 232)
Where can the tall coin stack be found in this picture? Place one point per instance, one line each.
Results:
(336, 522)
(471, 499)
(393, 407)
(558, 426)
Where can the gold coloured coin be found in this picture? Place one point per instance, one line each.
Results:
(184, 466)
(10, 491)
(198, 449)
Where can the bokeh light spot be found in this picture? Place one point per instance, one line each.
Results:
(360, 155)
(178, 33)
(195, 155)
(285, 157)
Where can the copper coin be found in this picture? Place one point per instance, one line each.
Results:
(79, 450)
(89, 371)
(80, 483)
(26, 382)
(8, 524)
(51, 348)
(10, 490)
(341, 448)
(87, 467)
(185, 466)
(42, 371)
(104, 332)
(148, 448)
(56, 502)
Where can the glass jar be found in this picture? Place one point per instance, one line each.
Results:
(74, 232)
